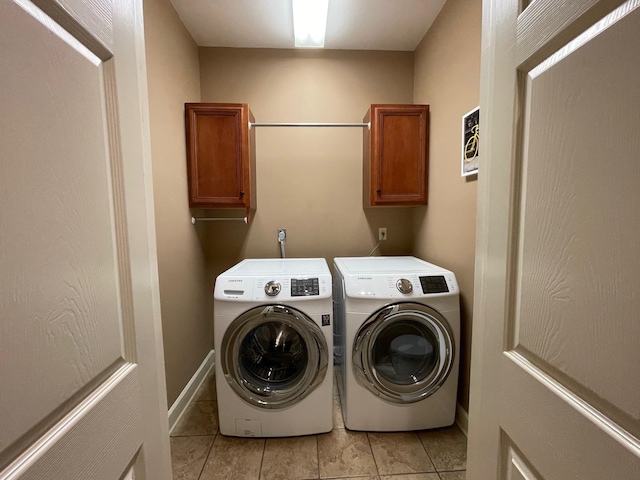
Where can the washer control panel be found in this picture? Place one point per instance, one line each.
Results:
(277, 280)
(283, 289)
(305, 287)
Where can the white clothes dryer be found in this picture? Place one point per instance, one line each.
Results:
(398, 326)
(273, 348)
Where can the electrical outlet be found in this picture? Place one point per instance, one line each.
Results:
(382, 233)
(282, 235)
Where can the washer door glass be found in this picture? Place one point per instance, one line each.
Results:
(403, 352)
(273, 356)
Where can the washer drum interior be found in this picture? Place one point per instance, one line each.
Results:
(273, 356)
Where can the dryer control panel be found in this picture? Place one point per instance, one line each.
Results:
(292, 288)
(400, 285)
(434, 284)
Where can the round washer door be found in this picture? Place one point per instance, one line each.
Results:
(273, 356)
(403, 352)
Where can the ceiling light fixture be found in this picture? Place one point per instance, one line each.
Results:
(310, 22)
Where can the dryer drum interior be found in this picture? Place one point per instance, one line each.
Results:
(403, 352)
(273, 356)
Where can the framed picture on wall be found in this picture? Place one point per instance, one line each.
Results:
(470, 139)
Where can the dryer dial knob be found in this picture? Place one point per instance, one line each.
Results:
(404, 286)
(272, 288)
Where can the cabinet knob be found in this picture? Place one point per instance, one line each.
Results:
(378, 191)
(242, 193)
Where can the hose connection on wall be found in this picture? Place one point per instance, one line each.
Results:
(282, 238)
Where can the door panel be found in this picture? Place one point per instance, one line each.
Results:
(91, 22)
(556, 432)
(515, 467)
(546, 24)
(554, 389)
(75, 446)
(578, 257)
(79, 346)
(58, 263)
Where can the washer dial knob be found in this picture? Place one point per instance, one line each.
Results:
(404, 286)
(272, 288)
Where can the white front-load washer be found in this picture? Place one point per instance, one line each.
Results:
(273, 348)
(398, 325)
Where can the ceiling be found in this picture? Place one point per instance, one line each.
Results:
(351, 24)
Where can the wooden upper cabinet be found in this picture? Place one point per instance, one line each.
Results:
(220, 155)
(395, 151)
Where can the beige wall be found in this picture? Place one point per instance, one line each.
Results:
(185, 291)
(447, 76)
(309, 180)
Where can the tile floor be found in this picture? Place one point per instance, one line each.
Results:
(200, 453)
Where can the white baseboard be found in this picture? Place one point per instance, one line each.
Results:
(462, 419)
(180, 405)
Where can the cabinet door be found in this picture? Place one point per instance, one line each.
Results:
(220, 155)
(396, 155)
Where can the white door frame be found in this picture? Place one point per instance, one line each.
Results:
(138, 190)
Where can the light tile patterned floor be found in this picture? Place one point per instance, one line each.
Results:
(200, 453)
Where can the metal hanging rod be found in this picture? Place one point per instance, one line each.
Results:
(359, 125)
(222, 219)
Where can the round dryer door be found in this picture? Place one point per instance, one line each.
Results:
(403, 352)
(273, 356)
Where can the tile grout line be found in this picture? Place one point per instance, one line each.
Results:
(264, 449)
(427, 452)
(372, 454)
(356, 477)
(318, 452)
(208, 455)
(332, 426)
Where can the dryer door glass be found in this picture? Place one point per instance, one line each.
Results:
(403, 352)
(273, 356)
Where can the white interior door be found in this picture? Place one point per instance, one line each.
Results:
(555, 390)
(80, 344)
